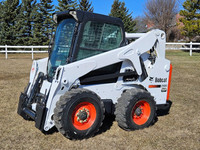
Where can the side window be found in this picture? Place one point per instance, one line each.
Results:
(98, 38)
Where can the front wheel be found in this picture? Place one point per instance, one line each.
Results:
(79, 114)
(135, 109)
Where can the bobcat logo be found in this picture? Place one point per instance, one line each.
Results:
(151, 78)
(161, 80)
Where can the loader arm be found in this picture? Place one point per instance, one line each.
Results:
(131, 52)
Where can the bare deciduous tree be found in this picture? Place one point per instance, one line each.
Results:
(140, 24)
(161, 13)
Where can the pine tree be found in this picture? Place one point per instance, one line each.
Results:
(85, 5)
(38, 36)
(46, 9)
(9, 11)
(191, 18)
(119, 10)
(25, 22)
(66, 5)
(1, 23)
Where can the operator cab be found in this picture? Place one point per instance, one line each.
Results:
(81, 35)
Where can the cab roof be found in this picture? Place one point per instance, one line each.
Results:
(83, 16)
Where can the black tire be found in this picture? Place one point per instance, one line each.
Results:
(80, 102)
(132, 107)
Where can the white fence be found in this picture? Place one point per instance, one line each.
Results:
(183, 46)
(169, 46)
(32, 51)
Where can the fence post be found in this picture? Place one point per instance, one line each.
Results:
(6, 51)
(190, 48)
(32, 52)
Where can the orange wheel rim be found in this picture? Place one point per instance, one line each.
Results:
(141, 112)
(83, 116)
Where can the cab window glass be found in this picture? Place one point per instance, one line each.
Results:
(98, 38)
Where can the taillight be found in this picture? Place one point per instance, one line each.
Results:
(169, 81)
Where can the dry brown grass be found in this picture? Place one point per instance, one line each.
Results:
(178, 130)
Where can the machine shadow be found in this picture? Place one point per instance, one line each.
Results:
(51, 131)
(107, 123)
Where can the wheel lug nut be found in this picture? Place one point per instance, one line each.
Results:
(78, 119)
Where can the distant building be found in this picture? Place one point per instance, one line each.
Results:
(149, 25)
(179, 24)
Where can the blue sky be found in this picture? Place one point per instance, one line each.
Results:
(135, 6)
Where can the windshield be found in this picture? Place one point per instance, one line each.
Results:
(61, 46)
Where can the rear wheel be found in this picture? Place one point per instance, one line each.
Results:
(79, 114)
(135, 109)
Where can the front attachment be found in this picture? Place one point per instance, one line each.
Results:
(25, 103)
(21, 105)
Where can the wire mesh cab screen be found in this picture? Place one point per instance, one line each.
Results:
(98, 38)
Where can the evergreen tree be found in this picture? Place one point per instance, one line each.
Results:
(37, 26)
(25, 22)
(85, 5)
(120, 11)
(1, 9)
(191, 18)
(46, 9)
(8, 13)
(1, 23)
(66, 5)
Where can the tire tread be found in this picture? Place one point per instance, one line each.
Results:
(60, 105)
(128, 97)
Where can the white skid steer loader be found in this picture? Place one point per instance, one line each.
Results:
(93, 69)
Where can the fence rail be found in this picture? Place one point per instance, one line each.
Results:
(6, 51)
(183, 46)
(169, 46)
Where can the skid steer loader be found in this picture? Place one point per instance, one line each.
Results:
(95, 68)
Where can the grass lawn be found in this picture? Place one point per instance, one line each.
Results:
(180, 129)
